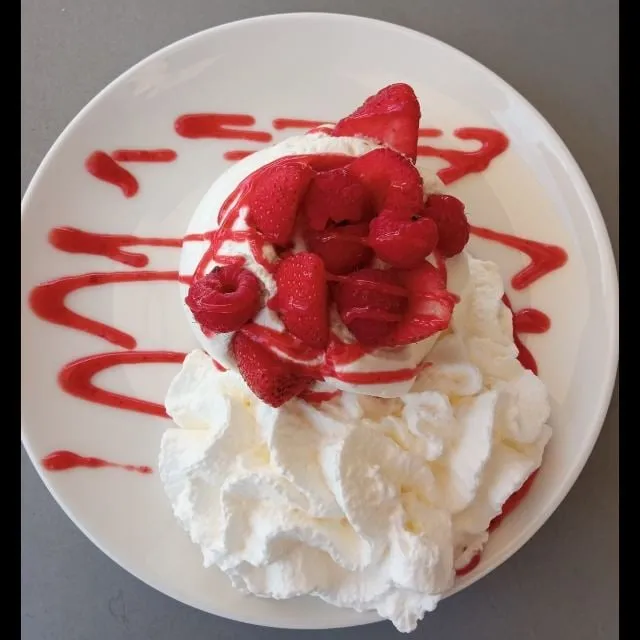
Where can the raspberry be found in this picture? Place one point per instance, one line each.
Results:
(225, 299)
(276, 192)
(270, 378)
(393, 182)
(371, 303)
(453, 227)
(334, 195)
(401, 241)
(343, 248)
(429, 306)
(390, 117)
(302, 298)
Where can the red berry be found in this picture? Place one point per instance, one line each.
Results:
(276, 193)
(402, 241)
(272, 379)
(342, 248)
(429, 307)
(453, 227)
(225, 299)
(302, 298)
(392, 180)
(390, 117)
(335, 195)
(371, 302)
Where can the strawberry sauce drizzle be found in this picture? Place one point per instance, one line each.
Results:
(76, 378)
(144, 155)
(65, 460)
(531, 321)
(219, 126)
(237, 154)
(462, 163)
(527, 321)
(106, 167)
(545, 258)
(103, 167)
(47, 301)
(72, 240)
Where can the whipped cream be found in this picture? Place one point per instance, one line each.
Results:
(369, 503)
(205, 220)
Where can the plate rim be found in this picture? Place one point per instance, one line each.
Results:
(587, 198)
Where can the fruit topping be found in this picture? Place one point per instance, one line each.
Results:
(402, 241)
(275, 198)
(225, 299)
(390, 117)
(334, 195)
(343, 248)
(429, 306)
(392, 181)
(371, 303)
(302, 298)
(453, 227)
(270, 378)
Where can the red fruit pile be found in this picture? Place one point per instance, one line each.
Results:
(347, 215)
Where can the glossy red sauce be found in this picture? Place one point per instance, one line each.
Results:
(65, 460)
(545, 258)
(221, 126)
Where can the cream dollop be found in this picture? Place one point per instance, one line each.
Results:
(365, 502)
(205, 220)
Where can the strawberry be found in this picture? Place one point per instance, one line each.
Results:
(453, 227)
(225, 299)
(335, 195)
(392, 180)
(342, 248)
(390, 117)
(302, 298)
(370, 302)
(429, 307)
(272, 379)
(402, 241)
(275, 196)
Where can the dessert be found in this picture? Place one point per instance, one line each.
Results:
(357, 417)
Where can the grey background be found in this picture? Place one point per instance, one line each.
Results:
(563, 56)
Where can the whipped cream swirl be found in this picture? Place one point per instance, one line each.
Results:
(365, 502)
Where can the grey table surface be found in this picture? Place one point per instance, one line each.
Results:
(563, 56)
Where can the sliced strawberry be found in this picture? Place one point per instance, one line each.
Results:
(225, 299)
(390, 117)
(275, 196)
(302, 298)
(335, 195)
(343, 248)
(371, 302)
(392, 180)
(429, 308)
(272, 379)
(453, 227)
(402, 241)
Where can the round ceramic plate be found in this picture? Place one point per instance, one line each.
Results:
(102, 338)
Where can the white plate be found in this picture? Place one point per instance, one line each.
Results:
(319, 67)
